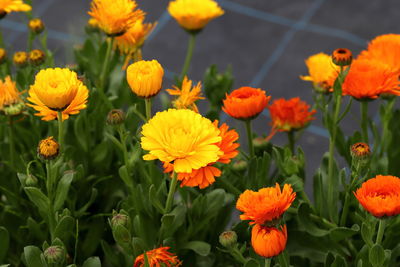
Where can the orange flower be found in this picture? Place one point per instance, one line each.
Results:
(158, 257)
(187, 96)
(289, 115)
(205, 176)
(265, 205)
(369, 79)
(342, 57)
(268, 241)
(380, 196)
(245, 103)
(384, 48)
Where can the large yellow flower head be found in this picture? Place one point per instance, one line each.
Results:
(194, 15)
(187, 96)
(57, 90)
(145, 78)
(115, 17)
(182, 137)
(7, 6)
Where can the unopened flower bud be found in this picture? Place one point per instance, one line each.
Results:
(3, 55)
(119, 219)
(239, 166)
(20, 59)
(14, 109)
(37, 57)
(54, 254)
(36, 25)
(31, 180)
(48, 148)
(228, 239)
(342, 57)
(360, 154)
(115, 117)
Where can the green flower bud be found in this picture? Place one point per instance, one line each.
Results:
(31, 180)
(54, 254)
(115, 117)
(228, 239)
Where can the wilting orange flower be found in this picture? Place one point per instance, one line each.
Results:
(9, 93)
(289, 115)
(384, 48)
(369, 79)
(158, 257)
(7, 6)
(205, 176)
(245, 103)
(268, 241)
(265, 205)
(187, 95)
(115, 17)
(380, 196)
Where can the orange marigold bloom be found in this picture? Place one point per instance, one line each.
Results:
(187, 96)
(245, 103)
(342, 57)
(380, 196)
(369, 79)
(268, 241)
(289, 115)
(158, 257)
(9, 93)
(384, 48)
(265, 205)
(360, 150)
(205, 176)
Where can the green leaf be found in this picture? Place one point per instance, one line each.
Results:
(304, 212)
(251, 263)
(366, 234)
(62, 190)
(122, 237)
(376, 255)
(38, 198)
(34, 257)
(4, 242)
(296, 182)
(92, 262)
(200, 247)
(124, 174)
(154, 199)
(339, 262)
(64, 227)
(340, 233)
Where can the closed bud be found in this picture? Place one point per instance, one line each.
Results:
(48, 148)
(20, 59)
(54, 254)
(14, 109)
(239, 166)
(31, 180)
(228, 239)
(360, 154)
(115, 117)
(342, 57)
(145, 78)
(37, 57)
(36, 25)
(3, 55)
(119, 219)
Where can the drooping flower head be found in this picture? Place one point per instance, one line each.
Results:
(158, 257)
(187, 96)
(322, 72)
(8, 6)
(194, 15)
(145, 78)
(10, 100)
(369, 79)
(57, 90)
(265, 205)
(380, 196)
(268, 242)
(289, 115)
(384, 48)
(115, 17)
(182, 137)
(245, 103)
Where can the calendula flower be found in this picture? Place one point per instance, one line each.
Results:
(115, 117)
(289, 115)
(145, 78)
(380, 196)
(3, 55)
(369, 79)
(8, 6)
(360, 150)
(245, 103)
(182, 137)
(115, 17)
(158, 257)
(36, 25)
(37, 57)
(194, 15)
(268, 242)
(342, 57)
(57, 90)
(10, 100)
(20, 59)
(205, 176)
(93, 23)
(48, 148)
(322, 72)
(265, 205)
(384, 48)
(187, 95)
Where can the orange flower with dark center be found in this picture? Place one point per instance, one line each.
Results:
(380, 196)
(205, 176)
(289, 115)
(360, 150)
(370, 79)
(266, 205)
(245, 103)
(158, 257)
(384, 48)
(268, 242)
(342, 57)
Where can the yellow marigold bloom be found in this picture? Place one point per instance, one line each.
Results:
(9, 94)
(48, 148)
(187, 95)
(36, 25)
(7, 6)
(145, 78)
(37, 57)
(322, 71)
(20, 59)
(182, 137)
(194, 15)
(115, 17)
(92, 22)
(57, 90)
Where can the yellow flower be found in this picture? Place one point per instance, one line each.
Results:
(3, 55)
(48, 148)
(7, 6)
(182, 137)
(36, 25)
(57, 90)
(187, 96)
(20, 58)
(9, 95)
(145, 78)
(193, 15)
(115, 17)
(37, 57)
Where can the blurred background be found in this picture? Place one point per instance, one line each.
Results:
(265, 42)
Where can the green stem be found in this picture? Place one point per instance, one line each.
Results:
(267, 262)
(235, 252)
(345, 209)
(250, 138)
(171, 193)
(386, 123)
(147, 102)
(50, 193)
(381, 230)
(31, 38)
(189, 54)
(122, 138)
(291, 140)
(11, 141)
(364, 121)
(60, 130)
(229, 187)
(106, 62)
